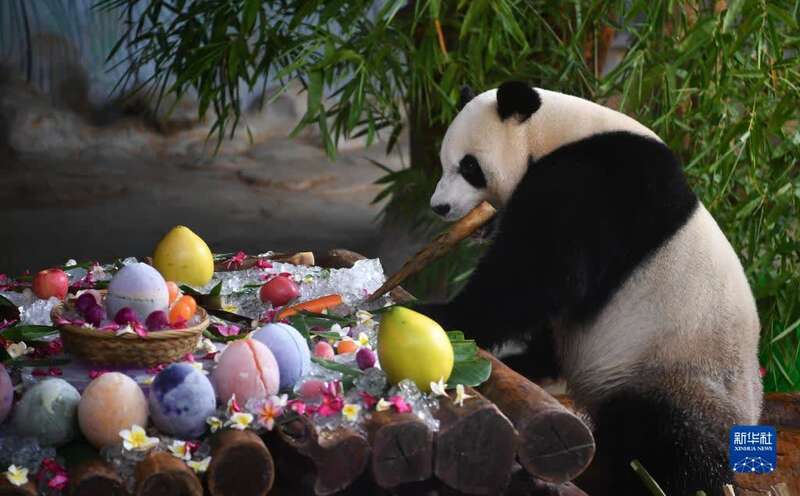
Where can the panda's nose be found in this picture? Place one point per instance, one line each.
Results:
(441, 209)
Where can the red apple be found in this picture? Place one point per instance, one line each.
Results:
(51, 282)
(279, 291)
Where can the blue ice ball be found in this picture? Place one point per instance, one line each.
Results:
(290, 350)
(49, 412)
(181, 398)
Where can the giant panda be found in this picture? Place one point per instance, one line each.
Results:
(613, 271)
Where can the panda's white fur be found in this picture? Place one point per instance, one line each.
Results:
(683, 325)
(690, 304)
(503, 146)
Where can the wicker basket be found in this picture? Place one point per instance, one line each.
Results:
(106, 348)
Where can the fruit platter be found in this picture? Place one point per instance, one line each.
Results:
(272, 373)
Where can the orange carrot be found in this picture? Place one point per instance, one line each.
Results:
(315, 306)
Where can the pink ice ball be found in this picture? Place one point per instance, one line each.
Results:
(6, 393)
(323, 349)
(247, 369)
(109, 404)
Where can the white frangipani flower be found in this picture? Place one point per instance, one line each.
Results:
(439, 388)
(136, 438)
(461, 395)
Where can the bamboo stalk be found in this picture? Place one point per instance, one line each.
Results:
(440, 245)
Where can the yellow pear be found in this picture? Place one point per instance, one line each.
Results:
(413, 346)
(182, 256)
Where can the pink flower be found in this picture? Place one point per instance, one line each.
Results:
(59, 482)
(7, 282)
(58, 475)
(299, 407)
(110, 327)
(269, 410)
(263, 263)
(269, 315)
(49, 348)
(6, 323)
(236, 261)
(192, 446)
(332, 402)
(369, 400)
(139, 329)
(180, 324)
(188, 358)
(233, 405)
(52, 371)
(95, 373)
(156, 368)
(228, 330)
(86, 282)
(762, 371)
(399, 403)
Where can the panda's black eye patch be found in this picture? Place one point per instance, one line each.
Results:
(470, 170)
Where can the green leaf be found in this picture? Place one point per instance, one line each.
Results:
(647, 479)
(456, 335)
(190, 291)
(464, 350)
(734, 8)
(240, 320)
(216, 290)
(315, 86)
(215, 336)
(28, 332)
(472, 372)
(338, 367)
(251, 8)
(40, 362)
(5, 302)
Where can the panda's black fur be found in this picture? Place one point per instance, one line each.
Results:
(579, 222)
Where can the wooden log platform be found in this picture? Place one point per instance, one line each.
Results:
(95, 476)
(161, 474)
(9, 489)
(475, 446)
(555, 445)
(781, 410)
(339, 457)
(233, 454)
(402, 449)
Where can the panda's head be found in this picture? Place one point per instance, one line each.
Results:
(487, 148)
(484, 152)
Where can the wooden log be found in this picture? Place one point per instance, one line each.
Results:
(93, 477)
(555, 445)
(402, 448)
(781, 409)
(339, 457)
(787, 471)
(475, 446)
(161, 474)
(440, 245)
(241, 465)
(9, 489)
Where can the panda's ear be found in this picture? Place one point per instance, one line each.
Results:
(518, 99)
(465, 96)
